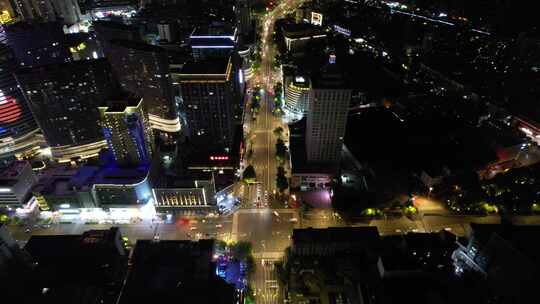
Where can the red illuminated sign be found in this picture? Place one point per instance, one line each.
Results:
(10, 111)
(219, 158)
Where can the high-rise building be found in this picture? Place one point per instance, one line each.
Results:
(143, 70)
(329, 102)
(127, 131)
(296, 89)
(64, 99)
(18, 129)
(207, 90)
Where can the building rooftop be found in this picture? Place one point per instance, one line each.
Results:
(214, 30)
(299, 30)
(519, 237)
(212, 43)
(136, 45)
(121, 103)
(369, 234)
(175, 271)
(214, 66)
(75, 268)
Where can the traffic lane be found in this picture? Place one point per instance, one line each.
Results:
(265, 230)
(213, 227)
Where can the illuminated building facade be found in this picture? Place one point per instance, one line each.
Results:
(18, 129)
(64, 99)
(327, 115)
(127, 131)
(16, 182)
(217, 41)
(192, 195)
(207, 90)
(296, 96)
(143, 70)
(298, 35)
(122, 186)
(99, 9)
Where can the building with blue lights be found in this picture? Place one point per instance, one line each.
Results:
(127, 131)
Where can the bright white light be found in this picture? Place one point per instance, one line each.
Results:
(64, 206)
(5, 190)
(148, 211)
(46, 152)
(526, 131)
(94, 55)
(300, 79)
(443, 15)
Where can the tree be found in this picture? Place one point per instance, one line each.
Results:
(241, 250)
(281, 180)
(281, 149)
(249, 174)
(278, 131)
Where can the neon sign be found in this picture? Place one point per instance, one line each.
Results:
(10, 111)
(219, 158)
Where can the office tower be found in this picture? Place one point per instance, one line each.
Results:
(127, 131)
(143, 70)
(18, 129)
(296, 96)
(207, 90)
(16, 182)
(327, 116)
(64, 99)
(214, 41)
(37, 44)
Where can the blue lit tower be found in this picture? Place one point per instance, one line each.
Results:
(127, 131)
(18, 129)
